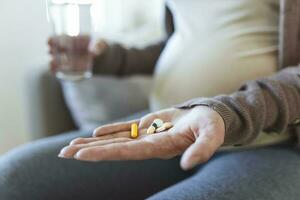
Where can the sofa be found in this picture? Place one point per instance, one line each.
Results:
(48, 113)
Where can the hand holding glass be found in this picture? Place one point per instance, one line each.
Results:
(72, 34)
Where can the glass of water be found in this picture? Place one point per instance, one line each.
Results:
(72, 25)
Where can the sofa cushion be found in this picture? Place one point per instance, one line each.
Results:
(99, 100)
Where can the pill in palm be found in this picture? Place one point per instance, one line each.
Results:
(134, 130)
(164, 127)
(157, 123)
(151, 130)
(168, 125)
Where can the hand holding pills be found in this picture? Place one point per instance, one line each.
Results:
(196, 133)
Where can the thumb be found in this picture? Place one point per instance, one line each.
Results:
(147, 120)
(97, 47)
(200, 151)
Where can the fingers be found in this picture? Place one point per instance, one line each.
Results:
(201, 150)
(50, 41)
(154, 146)
(69, 51)
(53, 65)
(75, 45)
(79, 143)
(118, 151)
(123, 134)
(53, 50)
(113, 128)
(69, 151)
(54, 45)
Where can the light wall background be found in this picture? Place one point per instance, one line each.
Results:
(23, 35)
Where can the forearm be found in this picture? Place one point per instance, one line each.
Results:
(117, 60)
(269, 104)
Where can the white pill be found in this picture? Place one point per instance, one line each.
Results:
(164, 127)
(151, 130)
(160, 129)
(168, 125)
(158, 122)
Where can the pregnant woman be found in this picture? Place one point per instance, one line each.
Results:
(213, 48)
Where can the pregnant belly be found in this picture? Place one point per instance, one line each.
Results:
(204, 71)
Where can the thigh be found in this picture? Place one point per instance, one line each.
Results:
(34, 172)
(271, 173)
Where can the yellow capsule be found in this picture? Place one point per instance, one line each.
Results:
(134, 130)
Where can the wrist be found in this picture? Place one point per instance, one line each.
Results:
(212, 114)
(224, 112)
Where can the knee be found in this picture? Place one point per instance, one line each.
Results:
(28, 168)
(12, 173)
(22, 169)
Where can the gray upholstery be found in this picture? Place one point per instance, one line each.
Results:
(103, 99)
(47, 113)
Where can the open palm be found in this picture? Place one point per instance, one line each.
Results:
(197, 132)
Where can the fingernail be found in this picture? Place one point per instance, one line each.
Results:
(187, 163)
(60, 155)
(95, 133)
(77, 156)
(187, 167)
(184, 166)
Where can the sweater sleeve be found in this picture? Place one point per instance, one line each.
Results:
(121, 61)
(270, 104)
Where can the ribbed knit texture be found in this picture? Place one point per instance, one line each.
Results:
(271, 104)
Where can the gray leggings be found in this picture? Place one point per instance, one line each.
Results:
(33, 172)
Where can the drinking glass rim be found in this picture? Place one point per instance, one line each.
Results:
(61, 2)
